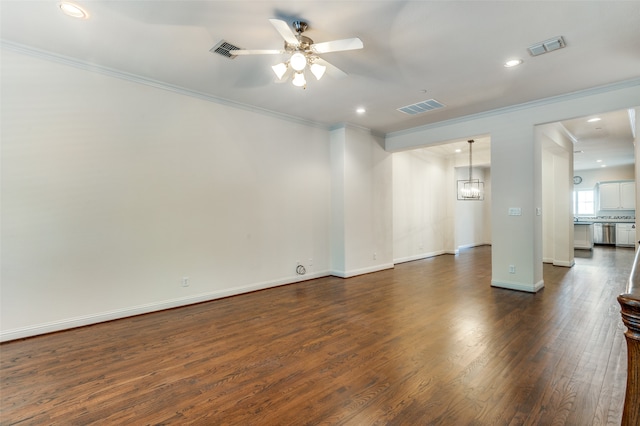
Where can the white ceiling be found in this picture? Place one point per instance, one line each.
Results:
(452, 51)
(605, 143)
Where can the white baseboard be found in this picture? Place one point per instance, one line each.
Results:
(519, 286)
(68, 323)
(558, 262)
(466, 246)
(418, 257)
(567, 264)
(362, 271)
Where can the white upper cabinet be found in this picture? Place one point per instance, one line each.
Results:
(617, 195)
(628, 195)
(609, 196)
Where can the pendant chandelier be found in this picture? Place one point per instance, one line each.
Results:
(470, 189)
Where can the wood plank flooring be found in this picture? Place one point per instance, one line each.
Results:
(427, 343)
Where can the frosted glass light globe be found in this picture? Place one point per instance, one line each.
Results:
(298, 61)
(299, 80)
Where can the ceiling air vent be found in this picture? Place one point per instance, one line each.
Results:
(223, 48)
(546, 46)
(421, 107)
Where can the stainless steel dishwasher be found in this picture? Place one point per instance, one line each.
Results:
(604, 233)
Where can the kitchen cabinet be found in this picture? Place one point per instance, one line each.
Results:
(628, 195)
(583, 236)
(625, 234)
(617, 195)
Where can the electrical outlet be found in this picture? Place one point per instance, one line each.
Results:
(185, 282)
(512, 269)
(375, 256)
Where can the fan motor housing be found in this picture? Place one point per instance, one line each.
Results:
(304, 45)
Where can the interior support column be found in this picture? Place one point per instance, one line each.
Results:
(516, 158)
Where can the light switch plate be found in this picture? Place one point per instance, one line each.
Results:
(515, 211)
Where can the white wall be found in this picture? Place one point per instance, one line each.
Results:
(486, 214)
(420, 198)
(557, 187)
(428, 220)
(516, 170)
(112, 191)
(591, 177)
(473, 217)
(362, 226)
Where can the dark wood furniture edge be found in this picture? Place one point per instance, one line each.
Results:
(630, 304)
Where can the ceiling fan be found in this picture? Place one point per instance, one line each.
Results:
(303, 53)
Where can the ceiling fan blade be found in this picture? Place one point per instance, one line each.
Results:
(332, 70)
(242, 52)
(337, 45)
(285, 31)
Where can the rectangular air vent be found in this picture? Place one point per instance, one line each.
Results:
(546, 46)
(223, 48)
(420, 107)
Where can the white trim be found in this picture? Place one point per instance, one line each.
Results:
(69, 323)
(418, 256)
(345, 125)
(564, 263)
(558, 262)
(467, 246)
(112, 72)
(568, 134)
(519, 107)
(362, 271)
(518, 286)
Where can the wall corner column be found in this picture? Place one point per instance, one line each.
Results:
(361, 203)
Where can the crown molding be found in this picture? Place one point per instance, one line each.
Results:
(347, 125)
(519, 107)
(123, 75)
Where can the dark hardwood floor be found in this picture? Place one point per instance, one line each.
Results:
(427, 343)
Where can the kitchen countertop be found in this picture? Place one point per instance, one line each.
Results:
(591, 220)
(583, 223)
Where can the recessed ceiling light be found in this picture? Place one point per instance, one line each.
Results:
(593, 120)
(73, 10)
(598, 161)
(604, 165)
(512, 63)
(361, 110)
(458, 150)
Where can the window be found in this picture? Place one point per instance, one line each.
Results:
(584, 202)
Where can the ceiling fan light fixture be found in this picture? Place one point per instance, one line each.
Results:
(298, 61)
(299, 80)
(318, 70)
(279, 70)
